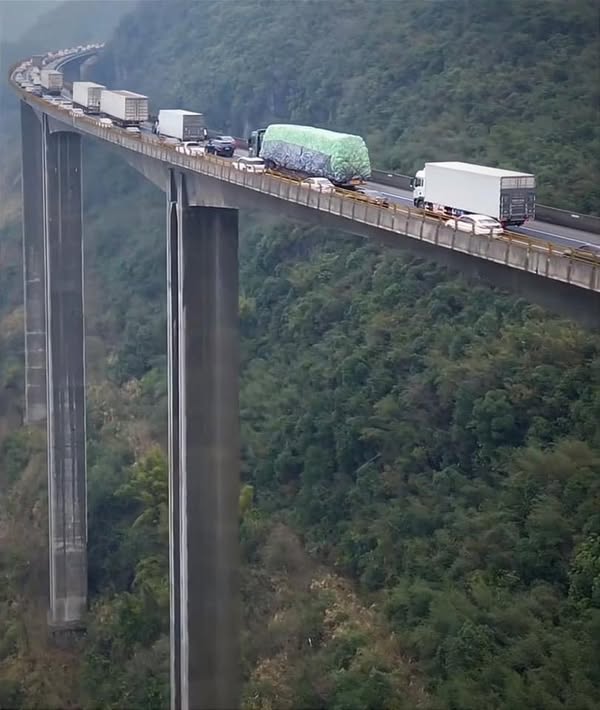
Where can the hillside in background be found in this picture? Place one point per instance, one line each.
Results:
(504, 83)
(421, 454)
(16, 16)
(49, 26)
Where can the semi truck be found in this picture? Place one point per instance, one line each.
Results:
(126, 108)
(305, 151)
(455, 188)
(51, 80)
(86, 95)
(181, 124)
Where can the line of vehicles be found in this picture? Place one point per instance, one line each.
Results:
(472, 198)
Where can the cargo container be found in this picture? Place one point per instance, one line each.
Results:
(181, 124)
(306, 151)
(51, 80)
(454, 187)
(126, 108)
(86, 94)
(37, 60)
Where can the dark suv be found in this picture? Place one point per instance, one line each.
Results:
(221, 145)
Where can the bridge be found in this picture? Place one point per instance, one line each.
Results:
(203, 196)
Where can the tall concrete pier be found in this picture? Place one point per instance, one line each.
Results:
(54, 349)
(32, 183)
(202, 276)
(67, 485)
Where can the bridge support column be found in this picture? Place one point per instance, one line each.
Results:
(67, 493)
(203, 334)
(33, 266)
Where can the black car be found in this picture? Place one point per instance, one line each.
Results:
(221, 145)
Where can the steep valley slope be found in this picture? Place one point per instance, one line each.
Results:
(420, 519)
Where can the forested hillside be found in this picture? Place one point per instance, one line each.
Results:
(420, 511)
(507, 83)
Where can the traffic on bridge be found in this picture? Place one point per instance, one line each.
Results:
(469, 199)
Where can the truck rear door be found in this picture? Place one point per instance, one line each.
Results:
(517, 199)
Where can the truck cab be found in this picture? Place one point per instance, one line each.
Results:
(255, 142)
(418, 187)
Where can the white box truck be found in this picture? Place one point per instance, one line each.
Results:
(453, 188)
(51, 80)
(86, 95)
(180, 124)
(126, 108)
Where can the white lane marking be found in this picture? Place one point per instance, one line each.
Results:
(560, 236)
(393, 194)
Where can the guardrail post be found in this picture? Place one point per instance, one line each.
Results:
(204, 466)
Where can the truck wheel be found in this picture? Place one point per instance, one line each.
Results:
(419, 203)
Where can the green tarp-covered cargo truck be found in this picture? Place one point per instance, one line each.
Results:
(341, 157)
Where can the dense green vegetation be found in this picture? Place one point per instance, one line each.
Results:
(420, 515)
(440, 445)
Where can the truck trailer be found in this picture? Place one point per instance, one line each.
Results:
(126, 108)
(305, 151)
(51, 80)
(180, 124)
(86, 95)
(462, 188)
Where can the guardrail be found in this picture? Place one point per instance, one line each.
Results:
(383, 177)
(565, 218)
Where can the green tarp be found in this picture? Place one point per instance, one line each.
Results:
(341, 157)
